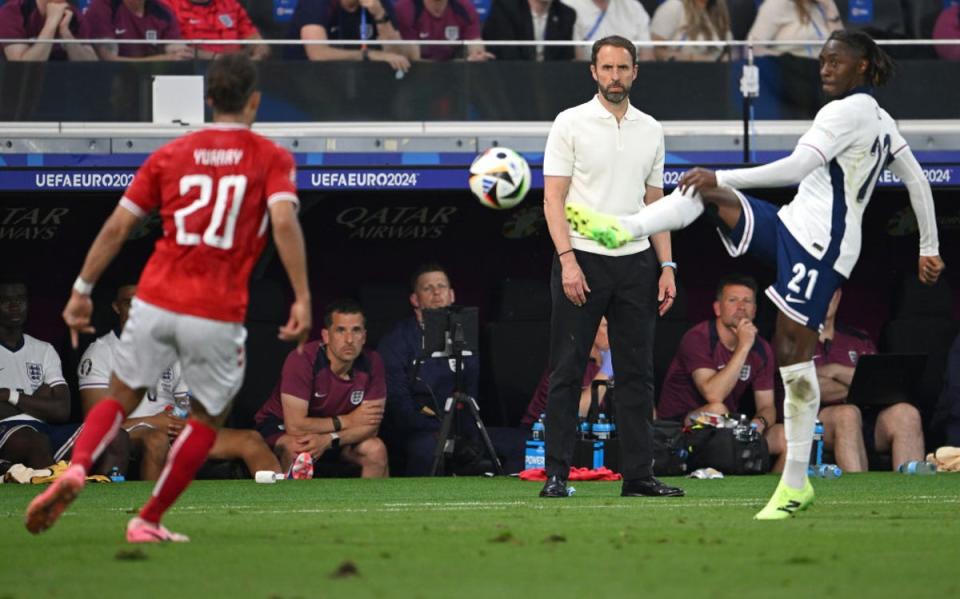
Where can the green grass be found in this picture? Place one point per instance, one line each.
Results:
(873, 535)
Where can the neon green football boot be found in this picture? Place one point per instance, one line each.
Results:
(602, 228)
(786, 502)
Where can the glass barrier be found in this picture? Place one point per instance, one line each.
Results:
(494, 90)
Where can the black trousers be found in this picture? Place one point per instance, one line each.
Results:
(624, 289)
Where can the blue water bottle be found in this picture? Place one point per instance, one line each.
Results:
(602, 429)
(920, 467)
(818, 442)
(115, 475)
(827, 471)
(539, 431)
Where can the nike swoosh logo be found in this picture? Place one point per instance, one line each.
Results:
(319, 395)
(119, 31)
(794, 300)
(424, 35)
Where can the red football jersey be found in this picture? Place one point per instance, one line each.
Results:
(212, 189)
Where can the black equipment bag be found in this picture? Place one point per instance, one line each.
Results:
(727, 451)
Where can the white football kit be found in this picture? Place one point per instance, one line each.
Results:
(26, 368)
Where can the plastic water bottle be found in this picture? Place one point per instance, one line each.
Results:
(920, 467)
(181, 407)
(538, 432)
(818, 442)
(827, 471)
(601, 430)
(115, 475)
(583, 429)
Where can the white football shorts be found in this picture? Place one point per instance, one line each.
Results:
(211, 353)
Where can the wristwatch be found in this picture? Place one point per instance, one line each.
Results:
(334, 441)
(384, 19)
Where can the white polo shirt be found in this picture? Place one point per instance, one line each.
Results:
(27, 367)
(609, 164)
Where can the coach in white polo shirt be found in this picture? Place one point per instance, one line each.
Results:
(608, 155)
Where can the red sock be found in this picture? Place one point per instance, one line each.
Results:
(99, 429)
(186, 456)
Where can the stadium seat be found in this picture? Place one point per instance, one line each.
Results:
(888, 19)
(920, 17)
(265, 352)
(383, 306)
(514, 359)
(665, 345)
(523, 300)
(742, 15)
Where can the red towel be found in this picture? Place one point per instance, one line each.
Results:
(601, 473)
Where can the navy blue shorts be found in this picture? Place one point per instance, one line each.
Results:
(60, 435)
(804, 284)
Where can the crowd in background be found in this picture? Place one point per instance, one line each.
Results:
(449, 20)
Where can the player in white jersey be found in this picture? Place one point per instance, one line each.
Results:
(162, 413)
(33, 392)
(815, 240)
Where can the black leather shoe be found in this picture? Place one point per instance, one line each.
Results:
(649, 487)
(554, 487)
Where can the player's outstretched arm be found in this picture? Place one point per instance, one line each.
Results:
(779, 173)
(906, 167)
(104, 249)
(288, 237)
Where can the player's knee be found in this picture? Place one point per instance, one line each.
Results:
(902, 417)
(156, 444)
(372, 451)
(284, 449)
(847, 417)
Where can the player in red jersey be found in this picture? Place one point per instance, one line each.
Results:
(216, 190)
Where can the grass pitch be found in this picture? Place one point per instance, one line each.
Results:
(872, 535)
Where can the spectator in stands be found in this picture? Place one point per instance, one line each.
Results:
(133, 20)
(947, 27)
(42, 20)
(450, 20)
(417, 386)
(156, 422)
(718, 359)
(599, 368)
(811, 20)
(692, 20)
(530, 20)
(223, 20)
(597, 19)
(894, 429)
(344, 20)
(330, 398)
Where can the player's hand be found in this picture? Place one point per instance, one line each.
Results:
(397, 62)
(479, 56)
(64, 28)
(929, 269)
(746, 333)
(667, 290)
(374, 7)
(55, 12)
(180, 53)
(298, 326)
(699, 179)
(368, 413)
(314, 444)
(574, 282)
(77, 316)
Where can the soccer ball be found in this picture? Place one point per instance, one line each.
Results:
(500, 178)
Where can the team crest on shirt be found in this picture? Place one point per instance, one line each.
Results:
(166, 380)
(150, 34)
(356, 397)
(853, 357)
(453, 364)
(227, 20)
(451, 32)
(745, 373)
(85, 367)
(35, 373)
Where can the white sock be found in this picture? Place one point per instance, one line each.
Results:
(800, 409)
(669, 213)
